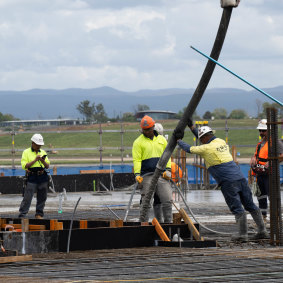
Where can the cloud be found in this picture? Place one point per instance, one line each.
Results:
(134, 44)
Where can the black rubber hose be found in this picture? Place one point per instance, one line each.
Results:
(208, 71)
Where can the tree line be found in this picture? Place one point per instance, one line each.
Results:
(7, 117)
(95, 113)
(221, 113)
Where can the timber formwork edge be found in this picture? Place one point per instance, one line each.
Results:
(90, 235)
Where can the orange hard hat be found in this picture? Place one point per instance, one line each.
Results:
(147, 122)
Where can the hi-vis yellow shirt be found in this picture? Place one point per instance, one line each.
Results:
(147, 152)
(29, 155)
(214, 153)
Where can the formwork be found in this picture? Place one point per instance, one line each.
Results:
(102, 249)
(43, 236)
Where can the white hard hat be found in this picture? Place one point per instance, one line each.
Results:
(37, 139)
(262, 124)
(203, 130)
(158, 128)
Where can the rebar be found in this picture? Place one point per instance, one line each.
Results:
(274, 178)
(71, 226)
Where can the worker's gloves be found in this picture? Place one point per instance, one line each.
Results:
(166, 175)
(229, 3)
(190, 123)
(178, 134)
(139, 179)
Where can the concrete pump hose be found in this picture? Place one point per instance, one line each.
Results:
(189, 209)
(191, 107)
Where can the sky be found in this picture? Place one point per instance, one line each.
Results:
(136, 44)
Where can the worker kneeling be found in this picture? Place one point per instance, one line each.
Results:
(228, 175)
(147, 150)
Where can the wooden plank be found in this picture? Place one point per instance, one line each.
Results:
(3, 221)
(191, 225)
(160, 230)
(55, 225)
(177, 218)
(31, 227)
(116, 223)
(96, 171)
(18, 258)
(52, 224)
(59, 226)
(24, 225)
(119, 222)
(83, 224)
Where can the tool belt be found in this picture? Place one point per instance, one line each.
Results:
(35, 173)
(259, 169)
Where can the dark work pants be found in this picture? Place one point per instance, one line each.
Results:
(41, 196)
(238, 196)
(263, 183)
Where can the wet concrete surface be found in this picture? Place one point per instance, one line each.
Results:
(207, 205)
(113, 200)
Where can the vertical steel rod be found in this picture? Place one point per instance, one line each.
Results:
(274, 178)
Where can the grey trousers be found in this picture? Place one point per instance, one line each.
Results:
(41, 196)
(164, 192)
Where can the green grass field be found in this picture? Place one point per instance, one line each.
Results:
(240, 133)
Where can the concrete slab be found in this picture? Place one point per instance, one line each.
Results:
(207, 205)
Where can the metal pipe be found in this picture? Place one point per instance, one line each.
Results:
(130, 201)
(112, 212)
(71, 225)
(258, 89)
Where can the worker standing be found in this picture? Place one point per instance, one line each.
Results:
(34, 161)
(260, 166)
(177, 173)
(228, 175)
(147, 150)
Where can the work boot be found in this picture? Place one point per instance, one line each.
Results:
(157, 209)
(242, 235)
(167, 212)
(38, 217)
(261, 230)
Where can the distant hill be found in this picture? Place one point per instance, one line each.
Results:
(50, 103)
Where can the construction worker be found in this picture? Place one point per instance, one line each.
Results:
(34, 161)
(176, 172)
(147, 149)
(228, 175)
(259, 164)
(159, 128)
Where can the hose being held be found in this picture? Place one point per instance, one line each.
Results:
(140, 178)
(194, 217)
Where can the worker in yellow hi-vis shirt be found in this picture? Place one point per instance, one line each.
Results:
(34, 161)
(228, 175)
(147, 150)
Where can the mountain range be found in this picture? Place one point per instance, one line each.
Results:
(50, 103)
